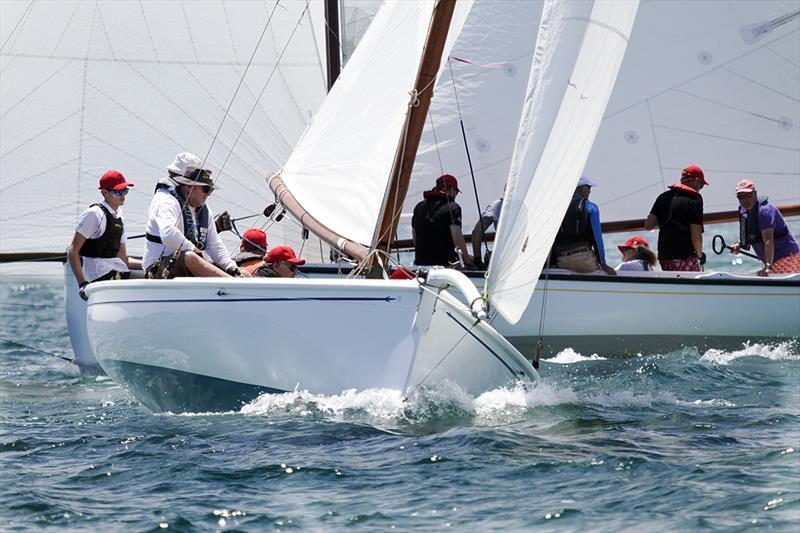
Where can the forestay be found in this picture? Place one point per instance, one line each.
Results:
(579, 50)
(340, 168)
(88, 86)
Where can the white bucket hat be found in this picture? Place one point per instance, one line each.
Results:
(186, 167)
(586, 181)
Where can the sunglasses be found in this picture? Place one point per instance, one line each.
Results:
(744, 196)
(290, 266)
(207, 189)
(119, 193)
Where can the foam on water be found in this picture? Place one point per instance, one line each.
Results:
(785, 351)
(569, 356)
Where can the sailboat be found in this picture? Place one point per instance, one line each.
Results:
(162, 339)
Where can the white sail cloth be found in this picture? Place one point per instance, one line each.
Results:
(579, 50)
(89, 86)
(340, 168)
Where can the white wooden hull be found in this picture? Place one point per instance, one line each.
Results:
(208, 345)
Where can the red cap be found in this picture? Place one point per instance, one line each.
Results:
(283, 253)
(693, 172)
(634, 241)
(113, 180)
(447, 180)
(745, 186)
(402, 273)
(253, 239)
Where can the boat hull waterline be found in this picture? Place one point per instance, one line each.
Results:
(198, 345)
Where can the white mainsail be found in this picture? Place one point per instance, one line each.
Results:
(88, 86)
(703, 82)
(579, 50)
(340, 168)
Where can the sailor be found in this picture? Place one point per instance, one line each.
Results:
(678, 213)
(180, 240)
(636, 255)
(280, 262)
(489, 218)
(579, 242)
(761, 226)
(251, 250)
(100, 237)
(436, 226)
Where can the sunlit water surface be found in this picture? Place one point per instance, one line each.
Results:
(684, 440)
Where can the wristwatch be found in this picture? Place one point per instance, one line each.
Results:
(767, 266)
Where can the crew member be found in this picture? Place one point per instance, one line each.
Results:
(100, 237)
(579, 242)
(436, 226)
(180, 240)
(280, 262)
(251, 250)
(678, 213)
(761, 226)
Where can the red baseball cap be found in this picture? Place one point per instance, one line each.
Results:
(745, 186)
(113, 180)
(693, 172)
(634, 241)
(447, 180)
(252, 239)
(402, 273)
(283, 253)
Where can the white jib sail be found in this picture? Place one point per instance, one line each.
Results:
(579, 50)
(340, 168)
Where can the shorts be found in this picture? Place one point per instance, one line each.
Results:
(787, 265)
(690, 264)
(580, 259)
(169, 266)
(113, 275)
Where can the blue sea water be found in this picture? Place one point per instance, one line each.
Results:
(675, 441)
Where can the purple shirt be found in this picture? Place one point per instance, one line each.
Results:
(770, 217)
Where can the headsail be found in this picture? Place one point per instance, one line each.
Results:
(339, 170)
(579, 50)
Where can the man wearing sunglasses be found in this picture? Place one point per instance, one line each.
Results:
(761, 225)
(100, 237)
(182, 239)
(678, 213)
(280, 262)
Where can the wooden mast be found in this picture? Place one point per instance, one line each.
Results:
(415, 121)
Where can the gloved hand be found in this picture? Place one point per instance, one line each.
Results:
(81, 291)
(234, 271)
(223, 222)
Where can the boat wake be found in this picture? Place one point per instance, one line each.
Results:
(569, 356)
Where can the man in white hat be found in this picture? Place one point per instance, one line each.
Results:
(579, 241)
(182, 239)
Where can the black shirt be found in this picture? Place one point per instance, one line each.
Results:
(431, 221)
(676, 210)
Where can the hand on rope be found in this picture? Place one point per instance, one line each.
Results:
(223, 222)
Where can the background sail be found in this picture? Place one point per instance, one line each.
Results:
(340, 168)
(703, 82)
(579, 50)
(88, 86)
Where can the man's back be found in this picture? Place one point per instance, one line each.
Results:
(676, 210)
(432, 219)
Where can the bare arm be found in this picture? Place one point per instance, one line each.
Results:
(74, 259)
(696, 231)
(133, 264)
(477, 239)
(651, 222)
(769, 248)
(458, 239)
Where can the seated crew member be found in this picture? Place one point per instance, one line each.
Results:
(436, 226)
(678, 213)
(100, 237)
(761, 225)
(579, 242)
(280, 262)
(251, 250)
(488, 218)
(180, 240)
(636, 255)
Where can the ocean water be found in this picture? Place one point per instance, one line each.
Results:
(677, 441)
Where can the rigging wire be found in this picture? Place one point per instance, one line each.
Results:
(9, 341)
(20, 21)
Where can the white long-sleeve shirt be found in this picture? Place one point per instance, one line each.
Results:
(165, 220)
